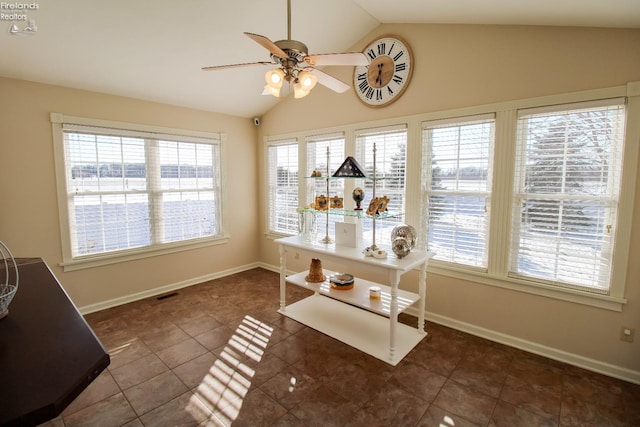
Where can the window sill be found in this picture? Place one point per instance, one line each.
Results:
(273, 235)
(130, 255)
(570, 295)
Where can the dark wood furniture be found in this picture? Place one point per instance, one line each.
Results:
(48, 352)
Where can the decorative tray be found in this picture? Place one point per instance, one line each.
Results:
(341, 279)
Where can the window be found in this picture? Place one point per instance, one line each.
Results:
(129, 190)
(532, 195)
(457, 173)
(316, 147)
(390, 144)
(282, 191)
(567, 188)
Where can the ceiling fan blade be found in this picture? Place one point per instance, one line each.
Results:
(329, 81)
(246, 64)
(348, 58)
(267, 44)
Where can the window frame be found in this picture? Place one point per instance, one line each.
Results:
(609, 201)
(426, 192)
(71, 262)
(502, 190)
(267, 186)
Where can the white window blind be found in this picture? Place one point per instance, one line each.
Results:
(567, 186)
(283, 186)
(391, 147)
(131, 190)
(456, 179)
(316, 147)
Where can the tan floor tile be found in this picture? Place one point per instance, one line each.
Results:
(540, 400)
(163, 337)
(127, 352)
(185, 410)
(465, 402)
(155, 392)
(438, 417)
(113, 411)
(181, 353)
(101, 388)
(509, 415)
(139, 371)
(193, 372)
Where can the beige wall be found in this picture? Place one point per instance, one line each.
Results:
(29, 212)
(466, 66)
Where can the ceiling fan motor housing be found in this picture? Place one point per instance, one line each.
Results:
(296, 52)
(294, 49)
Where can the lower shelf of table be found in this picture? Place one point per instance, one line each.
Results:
(359, 294)
(358, 328)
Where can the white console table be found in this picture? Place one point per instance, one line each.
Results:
(350, 316)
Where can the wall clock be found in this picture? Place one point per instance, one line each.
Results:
(388, 74)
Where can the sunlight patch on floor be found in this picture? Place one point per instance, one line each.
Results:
(223, 389)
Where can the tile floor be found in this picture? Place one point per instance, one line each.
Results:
(218, 353)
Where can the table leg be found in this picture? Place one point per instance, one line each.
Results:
(283, 277)
(422, 286)
(393, 314)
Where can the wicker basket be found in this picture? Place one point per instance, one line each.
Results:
(8, 279)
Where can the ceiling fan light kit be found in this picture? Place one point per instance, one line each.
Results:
(274, 79)
(303, 84)
(295, 65)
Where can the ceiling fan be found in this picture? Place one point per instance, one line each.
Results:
(296, 66)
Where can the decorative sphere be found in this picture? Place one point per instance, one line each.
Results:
(400, 247)
(358, 194)
(406, 231)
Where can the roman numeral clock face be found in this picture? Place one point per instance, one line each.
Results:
(388, 73)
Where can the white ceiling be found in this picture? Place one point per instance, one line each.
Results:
(154, 49)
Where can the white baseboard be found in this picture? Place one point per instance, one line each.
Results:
(270, 267)
(164, 289)
(532, 347)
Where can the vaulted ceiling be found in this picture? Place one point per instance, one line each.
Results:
(155, 49)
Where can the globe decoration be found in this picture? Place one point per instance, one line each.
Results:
(403, 239)
(407, 231)
(400, 247)
(358, 197)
